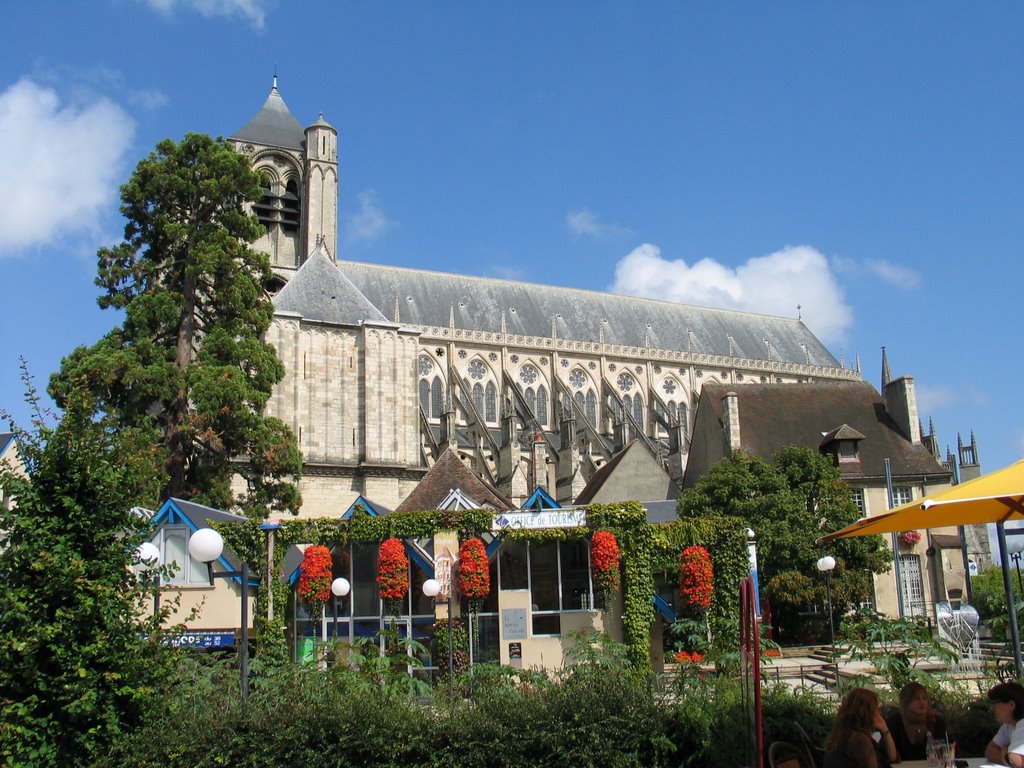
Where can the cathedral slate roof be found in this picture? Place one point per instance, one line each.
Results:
(427, 298)
(319, 291)
(273, 125)
(776, 415)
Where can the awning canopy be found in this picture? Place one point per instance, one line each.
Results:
(993, 498)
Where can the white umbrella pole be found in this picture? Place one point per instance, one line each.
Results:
(1011, 600)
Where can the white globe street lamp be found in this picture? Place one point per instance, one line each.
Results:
(826, 566)
(339, 588)
(1015, 546)
(206, 545)
(148, 556)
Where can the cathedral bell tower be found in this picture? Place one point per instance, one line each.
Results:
(320, 213)
(299, 206)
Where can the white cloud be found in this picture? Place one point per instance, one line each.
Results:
(931, 399)
(369, 222)
(253, 10)
(61, 164)
(774, 284)
(585, 222)
(894, 274)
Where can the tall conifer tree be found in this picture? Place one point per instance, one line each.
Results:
(189, 363)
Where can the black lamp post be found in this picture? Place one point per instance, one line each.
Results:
(206, 545)
(431, 588)
(149, 561)
(339, 588)
(826, 565)
(1015, 547)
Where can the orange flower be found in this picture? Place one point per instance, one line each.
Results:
(474, 569)
(604, 560)
(696, 577)
(315, 575)
(393, 570)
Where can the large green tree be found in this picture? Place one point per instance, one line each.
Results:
(790, 503)
(189, 363)
(77, 663)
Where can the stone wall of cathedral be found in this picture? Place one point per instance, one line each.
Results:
(349, 395)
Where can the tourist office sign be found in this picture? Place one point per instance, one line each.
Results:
(548, 518)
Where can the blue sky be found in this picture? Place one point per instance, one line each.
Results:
(862, 161)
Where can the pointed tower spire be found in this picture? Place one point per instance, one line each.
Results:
(886, 372)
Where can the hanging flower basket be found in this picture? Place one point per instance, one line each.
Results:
(315, 579)
(605, 555)
(696, 578)
(393, 575)
(909, 538)
(474, 570)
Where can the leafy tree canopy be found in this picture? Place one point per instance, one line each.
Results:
(189, 364)
(790, 503)
(78, 667)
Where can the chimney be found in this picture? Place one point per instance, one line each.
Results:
(901, 403)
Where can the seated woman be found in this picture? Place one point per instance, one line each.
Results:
(1007, 746)
(912, 724)
(860, 737)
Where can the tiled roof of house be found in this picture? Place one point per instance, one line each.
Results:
(447, 474)
(772, 416)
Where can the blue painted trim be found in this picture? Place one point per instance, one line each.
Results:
(662, 606)
(544, 499)
(494, 546)
(360, 501)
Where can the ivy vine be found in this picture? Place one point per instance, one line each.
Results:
(646, 550)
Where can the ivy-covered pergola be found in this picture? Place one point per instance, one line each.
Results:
(647, 549)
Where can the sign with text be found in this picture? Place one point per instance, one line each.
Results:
(549, 518)
(513, 623)
(202, 640)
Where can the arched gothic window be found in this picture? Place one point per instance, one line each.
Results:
(531, 399)
(436, 398)
(425, 397)
(638, 411)
(478, 398)
(542, 404)
(491, 402)
(592, 408)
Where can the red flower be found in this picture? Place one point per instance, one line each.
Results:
(474, 569)
(604, 561)
(696, 577)
(393, 570)
(685, 657)
(909, 538)
(315, 575)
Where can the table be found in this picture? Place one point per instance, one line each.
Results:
(973, 762)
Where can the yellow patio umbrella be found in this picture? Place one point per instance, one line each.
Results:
(992, 498)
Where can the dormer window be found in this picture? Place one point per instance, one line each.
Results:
(842, 444)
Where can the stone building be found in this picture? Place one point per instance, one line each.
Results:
(532, 385)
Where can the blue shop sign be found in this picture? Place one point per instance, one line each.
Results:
(202, 640)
